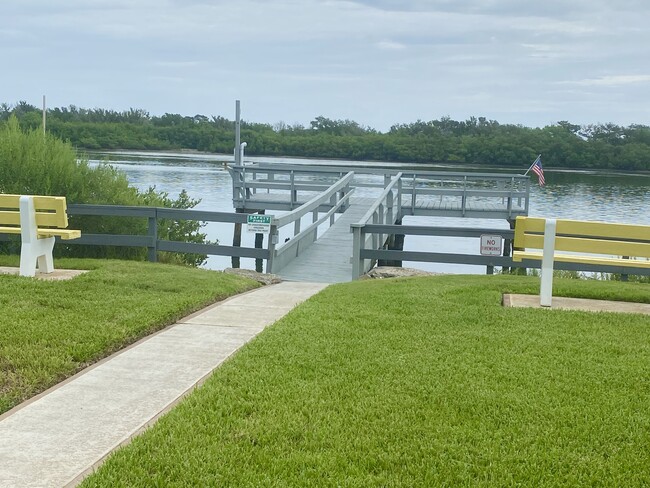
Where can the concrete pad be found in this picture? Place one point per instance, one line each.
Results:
(59, 437)
(583, 304)
(56, 275)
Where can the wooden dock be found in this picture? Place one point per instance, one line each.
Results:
(328, 259)
(360, 197)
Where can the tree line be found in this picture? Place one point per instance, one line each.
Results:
(475, 141)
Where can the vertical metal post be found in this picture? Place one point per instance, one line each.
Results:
(236, 240)
(44, 112)
(413, 196)
(546, 287)
(237, 133)
(273, 240)
(512, 186)
(357, 262)
(464, 197)
(259, 243)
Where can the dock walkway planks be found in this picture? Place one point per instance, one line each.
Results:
(328, 259)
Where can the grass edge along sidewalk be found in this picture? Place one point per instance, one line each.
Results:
(416, 382)
(51, 330)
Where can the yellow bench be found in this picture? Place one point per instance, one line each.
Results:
(38, 220)
(598, 243)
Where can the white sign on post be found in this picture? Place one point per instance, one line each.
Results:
(260, 224)
(491, 245)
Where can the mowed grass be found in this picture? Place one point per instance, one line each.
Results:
(416, 382)
(49, 330)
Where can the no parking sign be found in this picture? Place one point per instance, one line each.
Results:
(491, 245)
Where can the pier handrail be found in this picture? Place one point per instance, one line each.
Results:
(461, 194)
(386, 209)
(337, 195)
(315, 202)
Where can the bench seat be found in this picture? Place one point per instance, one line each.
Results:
(64, 234)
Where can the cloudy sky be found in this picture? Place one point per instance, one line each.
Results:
(378, 62)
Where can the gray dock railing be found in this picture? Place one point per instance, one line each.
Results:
(386, 210)
(336, 196)
(284, 187)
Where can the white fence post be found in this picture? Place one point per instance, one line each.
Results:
(546, 287)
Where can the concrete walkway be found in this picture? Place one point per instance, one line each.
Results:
(60, 436)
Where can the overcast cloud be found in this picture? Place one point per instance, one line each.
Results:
(378, 62)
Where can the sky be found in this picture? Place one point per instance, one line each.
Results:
(377, 62)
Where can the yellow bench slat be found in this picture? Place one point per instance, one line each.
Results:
(575, 258)
(50, 211)
(64, 234)
(595, 246)
(9, 201)
(526, 225)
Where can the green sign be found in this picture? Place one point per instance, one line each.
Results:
(259, 219)
(260, 224)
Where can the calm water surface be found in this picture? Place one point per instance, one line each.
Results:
(615, 197)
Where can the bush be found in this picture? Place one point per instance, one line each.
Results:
(33, 163)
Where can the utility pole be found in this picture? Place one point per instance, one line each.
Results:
(237, 133)
(44, 112)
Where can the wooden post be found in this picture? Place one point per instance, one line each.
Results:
(395, 243)
(153, 233)
(259, 243)
(236, 240)
(507, 246)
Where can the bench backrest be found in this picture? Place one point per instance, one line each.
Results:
(586, 237)
(50, 211)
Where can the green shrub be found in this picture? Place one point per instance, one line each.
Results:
(33, 163)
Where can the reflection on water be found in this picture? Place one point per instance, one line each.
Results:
(576, 195)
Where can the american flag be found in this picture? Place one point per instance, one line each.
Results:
(538, 170)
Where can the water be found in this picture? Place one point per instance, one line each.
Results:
(579, 195)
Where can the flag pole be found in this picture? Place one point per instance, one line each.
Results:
(531, 166)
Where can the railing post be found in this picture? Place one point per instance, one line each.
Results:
(375, 236)
(153, 233)
(333, 202)
(399, 198)
(463, 204)
(294, 193)
(273, 240)
(357, 242)
(512, 185)
(413, 196)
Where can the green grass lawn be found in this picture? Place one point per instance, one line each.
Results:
(416, 382)
(50, 330)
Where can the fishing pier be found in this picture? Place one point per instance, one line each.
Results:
(334, 223)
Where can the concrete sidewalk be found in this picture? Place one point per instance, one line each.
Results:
(57, 438)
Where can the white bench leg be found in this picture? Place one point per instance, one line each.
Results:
(546, 288)
(38, 253)
(33, 251)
